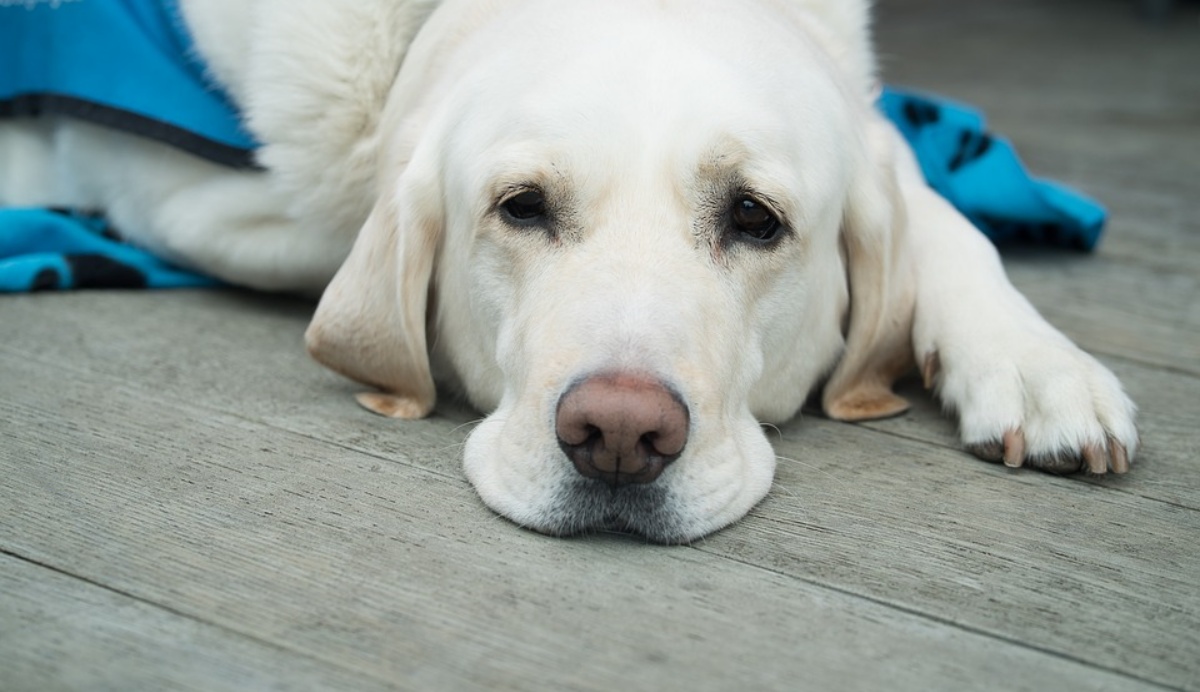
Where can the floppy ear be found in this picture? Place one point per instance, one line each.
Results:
(370, 323)
(878, 342)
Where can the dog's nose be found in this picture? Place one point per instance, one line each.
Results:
(621, 428)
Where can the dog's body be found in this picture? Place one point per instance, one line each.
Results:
(632, 231)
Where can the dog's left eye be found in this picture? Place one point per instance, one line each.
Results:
(754, 221)
(525, 207)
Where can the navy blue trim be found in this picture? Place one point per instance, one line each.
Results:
(34, 105)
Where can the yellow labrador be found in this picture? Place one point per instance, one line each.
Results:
(631, 231)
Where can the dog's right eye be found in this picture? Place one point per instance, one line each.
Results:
(754, 221)
(525, 208)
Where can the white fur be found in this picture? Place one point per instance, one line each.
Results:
(636, 119)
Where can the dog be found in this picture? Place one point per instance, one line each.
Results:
(632, 231)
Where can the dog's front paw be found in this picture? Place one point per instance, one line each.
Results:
(1036, 401)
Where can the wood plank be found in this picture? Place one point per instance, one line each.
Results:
(243, 352)
(1165, 468)
(423, 445)
(1051, 81)
(401, 575)
(1088, 570)
(1114, 308)
(1150, 227)
(58, 632)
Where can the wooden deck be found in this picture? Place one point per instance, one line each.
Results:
(187, 502)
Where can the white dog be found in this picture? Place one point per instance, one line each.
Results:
(631, 231)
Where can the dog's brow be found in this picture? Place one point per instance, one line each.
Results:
(724, 174)
(545, 176)
(723, 160)
(502, 190)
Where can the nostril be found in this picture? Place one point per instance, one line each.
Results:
(581, 435)
(669, 436)
(621, 428)
(653, 445)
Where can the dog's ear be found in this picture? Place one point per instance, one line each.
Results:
(370, 323)
(878, 341)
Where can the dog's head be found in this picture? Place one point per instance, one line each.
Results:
(632, 232)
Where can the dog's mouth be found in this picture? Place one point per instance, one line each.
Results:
(588, 506)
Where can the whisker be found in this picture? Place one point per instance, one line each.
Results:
(455, 446)
(470, 423)
(776, 486)
(843, 486)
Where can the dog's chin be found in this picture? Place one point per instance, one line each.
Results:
(586, 506)
(562, 503)
(537, 487)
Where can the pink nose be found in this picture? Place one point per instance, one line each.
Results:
(621, 428)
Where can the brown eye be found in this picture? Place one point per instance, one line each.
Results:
(525, 208)
(754, 222)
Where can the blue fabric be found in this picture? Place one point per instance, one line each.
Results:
(981, 175)
(130, 64)
(44, 249)
(123, 63)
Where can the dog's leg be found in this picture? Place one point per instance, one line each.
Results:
(235, 226)
(1024, 393)
(31, 172)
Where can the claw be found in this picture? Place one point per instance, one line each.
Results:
(931, 368)
(1120, 456)
(1097, 459)
(1014, 449)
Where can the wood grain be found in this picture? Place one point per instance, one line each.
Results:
(398, 574)
(62, 632)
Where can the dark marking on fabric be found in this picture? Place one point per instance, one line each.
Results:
(46, 280)
(971, 147)
(98, 271)
(921, 113)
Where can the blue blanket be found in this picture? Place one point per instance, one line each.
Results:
(982, 176)
(130, 64)
(59, 249)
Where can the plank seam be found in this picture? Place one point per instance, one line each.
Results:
(188, 616)
(932, 617)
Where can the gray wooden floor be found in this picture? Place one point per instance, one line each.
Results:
(186, 502)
